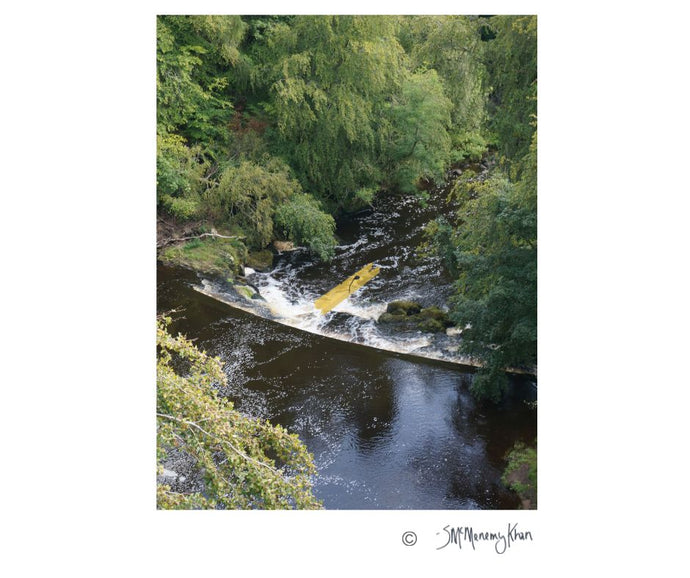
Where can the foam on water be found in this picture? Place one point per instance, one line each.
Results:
(353, 320)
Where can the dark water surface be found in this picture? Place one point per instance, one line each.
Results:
(387, 431)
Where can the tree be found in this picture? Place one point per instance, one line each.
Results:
(491, 248)
(418, 145)
(236, 462)
(330, 77)
(179, 175)
(451, 45)
(512, 76)
(493, 251)
(248, 194)
(520, 474)
(301, 220)
(195, 57)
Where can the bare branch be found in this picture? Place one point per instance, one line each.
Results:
(170, 241)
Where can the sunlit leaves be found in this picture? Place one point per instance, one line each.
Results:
(248, 194)
(242, 463)
(331, 76)
(195, 59)
(302, 220)
(451, 45)
(419, 143)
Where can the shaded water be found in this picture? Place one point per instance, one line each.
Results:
(387, 430)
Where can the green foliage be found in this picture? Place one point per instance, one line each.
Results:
(242, 463)
(179, 177)
(193, 244)
(248, 195)
(302, 221)
(468, 145)
(194, 56)
(491, 248)
(363, 197)
(496, 253)
(439, 235)
(330, 78)
(520, 474)
(492, 253)
(179, 168)
(418, 144)
(451, 45)
(512, 75)
(181, 209)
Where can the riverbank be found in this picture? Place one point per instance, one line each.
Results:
(206, 250)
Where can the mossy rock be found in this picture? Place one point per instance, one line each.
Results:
(436, 314)
(390, 318)
(210, 256)
(433, 312)
(245, 291)
(409, 315)
(431, 326)
(260, 260)
(403, 308)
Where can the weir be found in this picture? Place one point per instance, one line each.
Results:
(421, 346)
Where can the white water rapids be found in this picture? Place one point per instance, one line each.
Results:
(353, 320)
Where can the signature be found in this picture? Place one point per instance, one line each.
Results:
(468, 536)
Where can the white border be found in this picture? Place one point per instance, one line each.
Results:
(79, 299)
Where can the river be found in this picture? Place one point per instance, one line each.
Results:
(388, 429)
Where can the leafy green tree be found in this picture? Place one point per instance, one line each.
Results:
(301, 220)
(418, 144)
(247, 196)
(197, 57)
(330, 77)
(451, 45)
(493, 249)
(239, 462)
(520, 474)
(511, 58)
(179, 176)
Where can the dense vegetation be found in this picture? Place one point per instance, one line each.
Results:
(491, 247)
(318, 112)
(520, 474)
(271, 126)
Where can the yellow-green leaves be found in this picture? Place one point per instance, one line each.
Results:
(248, 194)
(419, 143)
(229, 460)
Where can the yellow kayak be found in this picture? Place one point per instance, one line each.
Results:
(341, 292)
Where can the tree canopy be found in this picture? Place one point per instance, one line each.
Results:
(491, 247)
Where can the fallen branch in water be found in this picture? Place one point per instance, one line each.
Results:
(169, 241)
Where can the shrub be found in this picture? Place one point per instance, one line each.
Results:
(181, 208)
(521, 473)
(247, 196)
(301, 220)
(179, 168)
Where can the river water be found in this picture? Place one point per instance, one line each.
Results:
(388, 429)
